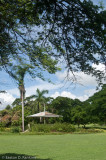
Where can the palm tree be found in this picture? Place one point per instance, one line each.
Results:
(18, 74)
(40, 98)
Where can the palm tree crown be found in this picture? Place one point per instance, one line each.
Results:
(39, 97)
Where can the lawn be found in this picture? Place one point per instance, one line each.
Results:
(54, 147)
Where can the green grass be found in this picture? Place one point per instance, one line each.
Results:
(55, 147)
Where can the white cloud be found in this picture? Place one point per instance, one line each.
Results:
(86, 80)
(11, 94)
(32, 89)
(5, 99)
(90, 92)
(87, 94)
(67, 94)
(100, 67)
(81, 77)
(42, 86)
(14, 91)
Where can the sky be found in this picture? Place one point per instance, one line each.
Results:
(82, 90)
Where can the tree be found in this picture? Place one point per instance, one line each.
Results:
(18, 74)
(40, 98)
(8, 107)
(63, 106)
(16, 102)
(79, 116)
(74, 29)
(97, 106)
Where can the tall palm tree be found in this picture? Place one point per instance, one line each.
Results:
(18, 74)
(40, 98)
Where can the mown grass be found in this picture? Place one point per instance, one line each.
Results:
(55, 147)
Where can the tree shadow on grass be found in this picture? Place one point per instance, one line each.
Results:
(14, 156)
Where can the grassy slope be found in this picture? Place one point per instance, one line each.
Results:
(56, 147)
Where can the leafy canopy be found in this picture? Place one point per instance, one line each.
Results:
(41, 30)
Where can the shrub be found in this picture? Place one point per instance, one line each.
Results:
(57, 127)
(2, 129)
(41, 128)
(15, 123)
(3, 124)
(63, 127)
(7, 129)
(15, 129)
(92, 130)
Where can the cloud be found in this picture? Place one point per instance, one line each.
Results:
(5, 99)
(15, 92)
(90, 92)
(8, 97)
(87, 94)
(100, 67)
(81, 77)
(42, 85)
(86, 80)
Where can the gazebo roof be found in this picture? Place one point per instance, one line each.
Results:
(44, 114)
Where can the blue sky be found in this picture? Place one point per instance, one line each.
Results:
(86, 88)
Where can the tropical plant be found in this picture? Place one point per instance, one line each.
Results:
(18, 73)
(40, 98)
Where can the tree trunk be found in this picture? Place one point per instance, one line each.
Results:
(22, 112)
(38, 107)
(22, 96)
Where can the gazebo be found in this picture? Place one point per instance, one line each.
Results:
(44, 114)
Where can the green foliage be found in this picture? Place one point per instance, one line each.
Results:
(4, 112)
(16, 123)
(40, 128)
(59, 29)
(2, 127)
(98, 106)
(3, 124)
(57, 127)
(90, 130)
(17, 101)
(15, 129)
(63, 106)
(8, 107)
(79, 115)
(73, 111)
(40, 98)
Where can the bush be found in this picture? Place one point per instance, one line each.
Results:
(92, 130)
(3, 124)
(7, 129)
(15, 123)
(41, 128)
(57, 127)
(63, 127)
(15, 129)
(2, 129)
